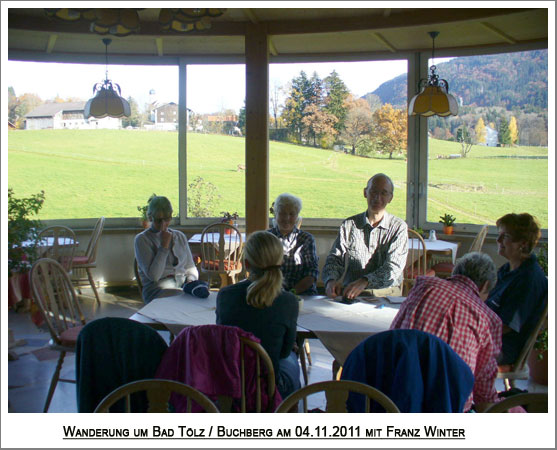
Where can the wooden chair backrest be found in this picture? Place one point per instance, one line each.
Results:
(478, 241)
(534, 402)
(529, 344)
(93, 245)
(61, 247)
(55, 296)
(158, 393)
(221, 248)
(336, 393)
(263, 360)
(416, 261)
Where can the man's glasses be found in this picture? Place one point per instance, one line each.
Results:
(163, 219)
(384, 193)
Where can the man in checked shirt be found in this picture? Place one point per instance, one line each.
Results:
(370, 250)
(455, 311)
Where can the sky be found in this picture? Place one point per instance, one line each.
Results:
(211, 88)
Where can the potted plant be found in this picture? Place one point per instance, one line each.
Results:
(143, 210)
(23, 232)
(229, 218)
(537, 360)
(447, 220)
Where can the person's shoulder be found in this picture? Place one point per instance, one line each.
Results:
(232, 289)
(179, 234)
(142, 236)
(287, 298)
(306, 235)
(356, 219)
(396, 221)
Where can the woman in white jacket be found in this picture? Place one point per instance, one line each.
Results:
(163, 255)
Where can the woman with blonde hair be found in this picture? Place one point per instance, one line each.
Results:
(260, 305)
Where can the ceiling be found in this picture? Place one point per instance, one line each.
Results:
(295, 34)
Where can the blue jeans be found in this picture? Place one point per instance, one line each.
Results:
(288, 379)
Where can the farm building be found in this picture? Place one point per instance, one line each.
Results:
(69, 115)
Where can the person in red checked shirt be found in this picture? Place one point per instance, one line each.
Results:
(453, 309)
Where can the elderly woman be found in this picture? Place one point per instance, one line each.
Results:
(300, 265)
(260, 306)
(163, 255)
(520, 294)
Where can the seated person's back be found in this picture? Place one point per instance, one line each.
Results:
(260, 306)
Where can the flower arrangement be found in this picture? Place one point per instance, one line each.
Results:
(229, 217)
(143, 209)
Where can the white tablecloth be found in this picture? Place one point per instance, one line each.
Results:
(436, 246)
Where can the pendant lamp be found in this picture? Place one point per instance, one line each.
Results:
(434, 97)
(108, 101)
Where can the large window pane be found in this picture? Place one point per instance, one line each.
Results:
(91, 172)
(327, 160)
(492, 158)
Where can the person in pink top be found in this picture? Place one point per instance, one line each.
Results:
(454, 310)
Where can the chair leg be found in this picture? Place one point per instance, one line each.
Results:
(93, 285)
(301, 355)
(508, 384)
(54, 380)
(308, 351)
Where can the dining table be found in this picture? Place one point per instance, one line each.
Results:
(437, 248)
(339, 326)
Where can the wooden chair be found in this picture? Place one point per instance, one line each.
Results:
(58, 243)
(221, 252)
(262, 360)
(444, 269)
(158, 395)
(55, 296)
(88, 260)
(336, 393)
(519, 369)
(532, 402)
(416, 262)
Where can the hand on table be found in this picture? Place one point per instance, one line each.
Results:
(333, 289)
(355, 288)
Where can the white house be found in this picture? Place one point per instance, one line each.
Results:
(491, 137)
(59, 116)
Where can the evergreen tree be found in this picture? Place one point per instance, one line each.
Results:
(336, 93)
(242, 119)
(300, 95)
(504, 132)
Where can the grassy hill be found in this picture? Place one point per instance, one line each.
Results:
(86, 173)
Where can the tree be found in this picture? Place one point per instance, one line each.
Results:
(481, 131)
(336, 93)
(25, 104)
(504, 132)
(464, 136)
(319, 123)
(390, 127)
(134, 120)
(358, 122)
(242, 119)
(513, 130)
(12, 105)
(275, 103)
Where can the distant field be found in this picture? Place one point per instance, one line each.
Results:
(86, 173)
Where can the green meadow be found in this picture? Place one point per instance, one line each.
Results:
(88, 173)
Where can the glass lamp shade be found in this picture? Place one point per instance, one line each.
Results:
(118, 22)
(433, 100)
(189, 19)
(107, 103)
(70, 14)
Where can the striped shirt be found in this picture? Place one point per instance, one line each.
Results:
(452, 310)
(300, 258)
(376, 253)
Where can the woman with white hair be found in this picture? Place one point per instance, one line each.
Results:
(300, 264)
(163, 255)
(260, 306)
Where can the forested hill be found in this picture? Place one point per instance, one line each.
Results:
(509, 80)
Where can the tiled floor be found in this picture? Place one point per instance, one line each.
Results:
(29, 375)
